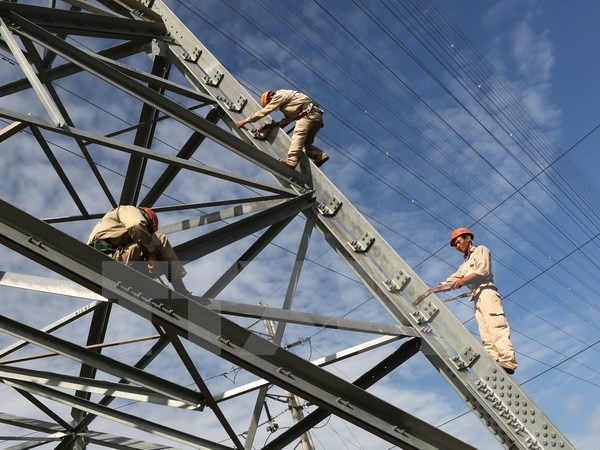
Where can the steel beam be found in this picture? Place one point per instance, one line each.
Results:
(92, 386)
(11, 129)
(29, 423)
(302, 318)
(77, 23)
(186, 152)
(67, 69)
(35, 58)
(37, 356)
(157, 81)
(96, 334)
(144, 361)
(220, 216)
(51, 286)
(139, 294)
(147, 95)
(104, 363)
(58, 169)
(275, 332)
(117, 416)
(42, 93)
(209, 242)
(143, 137)
(368, 379)
(133, 149)
(53, 326)
(120, 442)
(320, 362)
(45, 409)
(195, 374)
(94, 9)
(238, 266)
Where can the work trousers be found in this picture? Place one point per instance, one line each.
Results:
(168, 264)
(494, 329)
(304, 135)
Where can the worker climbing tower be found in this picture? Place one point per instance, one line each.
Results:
(138, 58)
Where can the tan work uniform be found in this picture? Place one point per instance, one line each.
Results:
(127, 229)
(291, 103)
(493, 326)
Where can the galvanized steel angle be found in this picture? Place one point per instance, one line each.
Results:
(362, 244)
(397, 282)
(504, 412)
(418, 317)
(465, 358)
(215, 79)
(428, 309)
(240, 103)
(194, 56)
(331, 208)
(236, 106)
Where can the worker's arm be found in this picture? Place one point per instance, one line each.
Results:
(473, 278)
(280, 98)
(281, 124)
(241, 123)
(447, 285)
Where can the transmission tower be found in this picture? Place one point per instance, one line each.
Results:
(175, 101)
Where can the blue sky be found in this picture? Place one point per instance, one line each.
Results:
(487, 139)
(425, 161)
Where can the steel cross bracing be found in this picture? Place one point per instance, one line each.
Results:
(37, 40)
(189, 319)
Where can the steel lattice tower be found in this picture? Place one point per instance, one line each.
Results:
(138, 57)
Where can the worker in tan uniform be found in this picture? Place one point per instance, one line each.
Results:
(476, 274)
(129, 233)
(309, 120)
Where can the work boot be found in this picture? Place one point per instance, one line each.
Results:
(321, 159)
(290, 163)
(508, 370)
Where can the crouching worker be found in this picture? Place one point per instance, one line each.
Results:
(476, 274)
(128, 233)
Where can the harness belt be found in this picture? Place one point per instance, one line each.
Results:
(104, 246)
(310, 107)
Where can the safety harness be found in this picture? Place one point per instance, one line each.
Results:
(105, 246)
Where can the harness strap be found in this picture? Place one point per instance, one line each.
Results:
(310, 107)
(104, 246)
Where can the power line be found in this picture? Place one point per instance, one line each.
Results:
(271, 36)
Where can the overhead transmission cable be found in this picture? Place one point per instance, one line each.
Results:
(439, 82)
(502, 109)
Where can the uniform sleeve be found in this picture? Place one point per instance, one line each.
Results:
(452, 278)
(483, 261)
(137, 227)
(278, 100)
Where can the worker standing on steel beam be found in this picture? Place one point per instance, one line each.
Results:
(129, 233)
(476, 274)
(309, 120)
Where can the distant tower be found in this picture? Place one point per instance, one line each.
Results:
(119, 103)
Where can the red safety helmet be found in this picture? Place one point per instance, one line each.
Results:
(152, 215)
(459, 232)
(265, 98)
